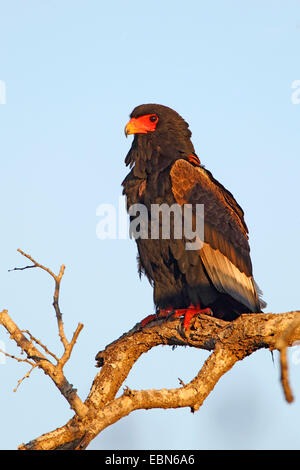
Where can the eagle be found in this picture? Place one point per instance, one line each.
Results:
(215, 275)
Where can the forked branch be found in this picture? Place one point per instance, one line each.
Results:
(37, 358)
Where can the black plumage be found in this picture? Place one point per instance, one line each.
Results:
(166, 169)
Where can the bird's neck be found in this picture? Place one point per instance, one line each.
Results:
(149, 157)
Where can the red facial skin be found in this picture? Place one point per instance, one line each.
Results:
(142, 124)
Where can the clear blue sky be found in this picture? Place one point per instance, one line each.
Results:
(73, 71)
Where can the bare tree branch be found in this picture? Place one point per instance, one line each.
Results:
(37, 341)
(54, 372)
(57, 280)
(229, 342)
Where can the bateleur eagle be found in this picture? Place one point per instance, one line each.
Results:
(216, 278)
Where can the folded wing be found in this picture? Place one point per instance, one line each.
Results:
(225, 254)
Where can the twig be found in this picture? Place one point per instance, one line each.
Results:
(22, 269)
(35, 264)
(69, 347)
(33, 365)
(26, 376)
(57, 280)
(17, 358)
(54, 372)
(37, 341)
(57, 309)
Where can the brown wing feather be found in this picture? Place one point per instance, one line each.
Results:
(225, 253)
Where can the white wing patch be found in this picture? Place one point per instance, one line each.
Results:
(227, 278)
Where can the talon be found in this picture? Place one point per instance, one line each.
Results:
(189, 313)
(147, 320)
(207, 311)
(161, 313)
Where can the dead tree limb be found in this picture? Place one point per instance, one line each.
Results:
(229, 342)
(37, 358)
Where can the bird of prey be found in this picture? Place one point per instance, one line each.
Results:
(216, 278)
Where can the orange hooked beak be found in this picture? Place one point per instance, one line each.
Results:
(141, 125)
(134, 127)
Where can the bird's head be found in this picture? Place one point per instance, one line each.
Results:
(156, 120)
(161, 135)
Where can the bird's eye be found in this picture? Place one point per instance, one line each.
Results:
(153, 118)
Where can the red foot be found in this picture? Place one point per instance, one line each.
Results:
(162, 313)
(187, 312)
(147, 320)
